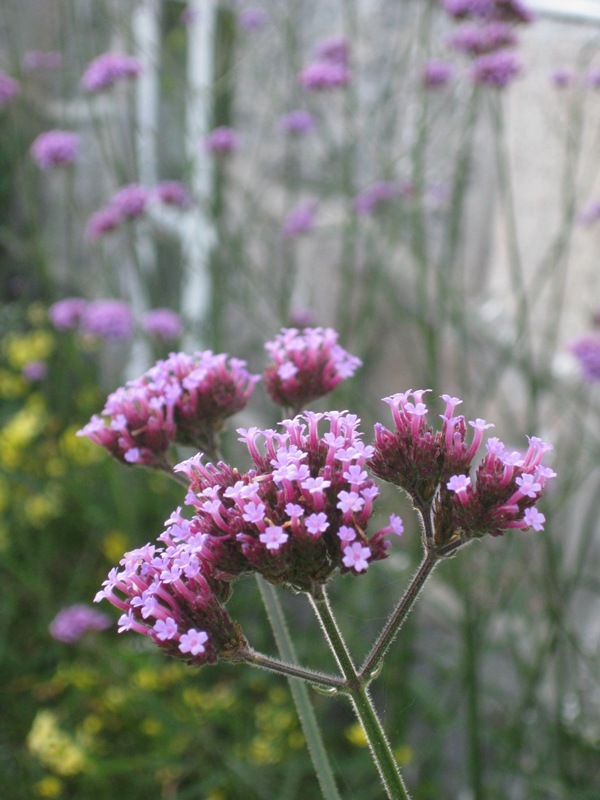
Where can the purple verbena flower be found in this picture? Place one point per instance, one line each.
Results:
(475, 40)
(163, 323)
(306, 364)
(296, 516)
(9, 88)
(297, 122)
(101, 222)
(561, 77)
(107, 69)
(172, 193)
(495, 69)
(434, 468)
(378, 194)
(72, 622)
(222, 141)
(65, 315)
(183, 399)
(167, 594)
(437, 73)
(130, 201)
(333, 50)
(55, 148)
(586, 350)
(252, 19)
(323, 75)
(34, 371)
(299, 220)
(107, 319)
(468, 8)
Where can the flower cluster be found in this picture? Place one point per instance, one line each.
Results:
(586, 350)
(222, 141)
(496, 69)
(131, 201)
(104, 319)
(9, 88)
(72, 622)
(55, 148)
(475, 40)
(107, 69)
(306, 364)
(183, 399)
(300, 514)
(379, 194)
(164, 594)
(506, 10)
(437, 73)
(297, 121)
(330, 68)
(434, 468)
(301, 219)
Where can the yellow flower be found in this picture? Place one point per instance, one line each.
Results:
(50, 786)
(355, 735)
(53, 747)
(20, 349)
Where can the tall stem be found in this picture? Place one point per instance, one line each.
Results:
(361, 700)
(299, 692)
(398, 615)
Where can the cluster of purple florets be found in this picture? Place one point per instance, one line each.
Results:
(329, 69)
(131, 201)
(112, 319)
(434, 468)
(306, 364)
(183, 399)
(108, 69)
(55, 148)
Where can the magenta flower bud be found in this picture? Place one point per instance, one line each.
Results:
(323, 75)
(102, 222)
(130, 201)
(306, 364)
(9, 89)
(496, 70)
(55, 149)
(437, 73)
(300, 219)
(107, 319)
(65, 315)
(222, 141)
(107, 69)
(163, 323)
(172, 193)
(72, 622)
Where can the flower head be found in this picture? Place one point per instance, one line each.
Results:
(172, 193)
(101, 222)
(333, 50)
(434, 468)
(183, 399)
(298, 121)
(378, 194)
(299, 220)
(9, 88)
(496, 69)
(296, 513)
(306, 364)
(222, 141)
(66, 314)
(322, 75)
(437, 73)
(162, 323)
(165, 594)
(107, 319)
(55, 148)
(108, 69)
(130, 201)
(475, 40)
(72, 622)
(586, 350)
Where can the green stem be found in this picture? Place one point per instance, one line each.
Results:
(316, 679)
(299, 692)
(365, 711)
(397, 617)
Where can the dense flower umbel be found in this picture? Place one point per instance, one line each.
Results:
(306, 364)
(164, 594)
(434, 466)
(300, 514)
(55, 148)
(183, 399)
(107, 69)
